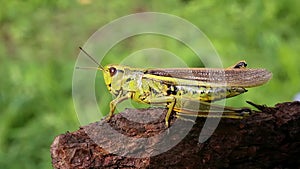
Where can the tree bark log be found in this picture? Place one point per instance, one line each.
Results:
(267, 139)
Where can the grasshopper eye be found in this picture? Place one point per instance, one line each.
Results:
(112, 71)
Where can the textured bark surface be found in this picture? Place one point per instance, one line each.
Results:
(267, 139)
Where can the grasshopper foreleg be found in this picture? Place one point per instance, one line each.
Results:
(117, 100)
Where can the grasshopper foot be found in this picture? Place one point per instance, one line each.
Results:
(108, 118)
(245, 112)
(167, 124)
(259, 107)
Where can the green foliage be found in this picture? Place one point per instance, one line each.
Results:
(39, 45)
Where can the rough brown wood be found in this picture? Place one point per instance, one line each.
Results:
(267, 139)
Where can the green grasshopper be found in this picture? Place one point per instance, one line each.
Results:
(174, 87)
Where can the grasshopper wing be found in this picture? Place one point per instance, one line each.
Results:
(243, 77)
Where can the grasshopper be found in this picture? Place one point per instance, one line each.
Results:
(174, 87)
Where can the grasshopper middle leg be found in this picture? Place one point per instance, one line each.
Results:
(170, 100)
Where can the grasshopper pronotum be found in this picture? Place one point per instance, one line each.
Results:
(173, 87)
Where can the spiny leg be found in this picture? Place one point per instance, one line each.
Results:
(205, 109)
(210, 114)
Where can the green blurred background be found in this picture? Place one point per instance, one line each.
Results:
(39, 46)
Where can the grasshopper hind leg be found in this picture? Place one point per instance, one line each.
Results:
(216, 111)
(237, 114)
(239, 65)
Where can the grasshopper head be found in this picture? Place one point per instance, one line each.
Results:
(113, 75)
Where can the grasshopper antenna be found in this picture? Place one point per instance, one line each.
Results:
(94, 60)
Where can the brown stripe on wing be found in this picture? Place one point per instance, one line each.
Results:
(233, 77)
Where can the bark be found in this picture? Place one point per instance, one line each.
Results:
(269, 138)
